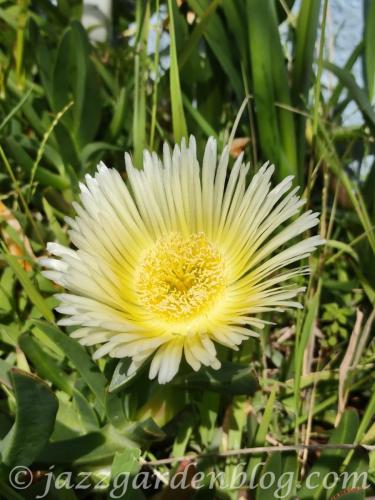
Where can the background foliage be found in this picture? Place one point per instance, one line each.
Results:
(171, 69)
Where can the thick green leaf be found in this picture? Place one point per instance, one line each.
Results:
(290, 473)
(120, 379)
(44, 364)
(272, 467)
(183, 435)
(354, 476)
(236, 424)
(68, 451)
(92, 448)
(35, 419)
(79, 358)
(330, 460)
(87, 415)
(208, 415)
(125, 466)
(162, 405)
(144, 432)
(7, 491)
(232, 379)
(115, 409)
(4, 373)
(99, 447)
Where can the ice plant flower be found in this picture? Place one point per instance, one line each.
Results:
(180, 258)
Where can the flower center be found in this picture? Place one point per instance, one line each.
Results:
(180, 277)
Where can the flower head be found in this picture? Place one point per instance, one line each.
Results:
(180, 258)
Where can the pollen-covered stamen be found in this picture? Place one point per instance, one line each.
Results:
(180, 277)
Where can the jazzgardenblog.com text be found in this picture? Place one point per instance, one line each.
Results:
(21, 478)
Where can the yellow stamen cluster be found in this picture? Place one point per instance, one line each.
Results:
(180, 277)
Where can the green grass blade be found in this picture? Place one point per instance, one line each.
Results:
(364, 424)
(357, 94)
(75, 79)
(234, 437)
(328, 152)
(370, 50)
(28, 286)
(235, 12)
(357, 51)
(220, 44)
(197, 33)
(288, 164)
(262, 430)
(306, 31)
(303, 338)
(15, 110)
(56, 228)
(199, 118)
(140, 59)
(270, 87)
(118, 118)
(43, 144)
(262, 80)
(42, 175)
(178, 115)
(317, 85)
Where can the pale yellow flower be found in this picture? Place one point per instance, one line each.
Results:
(180, 258)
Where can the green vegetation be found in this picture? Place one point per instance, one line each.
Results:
(66, 104)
